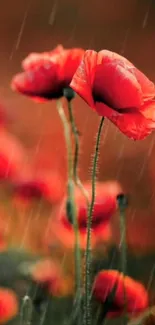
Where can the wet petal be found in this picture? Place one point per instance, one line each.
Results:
(33, 59)
(116, 86)
(147, 86)
(70, 62)
(38, 82)
(134, 125)
(136, 294)
(83, 79)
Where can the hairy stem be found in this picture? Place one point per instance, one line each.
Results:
(76, 153)
(122, 202)
(67, 139)
(71, 206)
(123, 241)
(88, 317)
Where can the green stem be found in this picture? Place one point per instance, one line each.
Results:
(123, 254)
(76, 153)
(71, 210)
(67, 139)
(122, 202)
(72, 213)
(123, 244)
(26, 311)
(88, 319)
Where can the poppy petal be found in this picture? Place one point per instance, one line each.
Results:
(117, 86)
(13, 158)
(59, 233)
(8, 305)
(47, 73)
(148, 110)
(70, 60)
(133, 124)
(83, 79)
(147, 86)
(34, 58)
(37, 82)
(104, 110)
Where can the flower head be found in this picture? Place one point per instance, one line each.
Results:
(116, 89)
(48, 274)
(47, 74)
(104, 207)
(135, 294)
(40, 185)
(12, 157)
(8, 305)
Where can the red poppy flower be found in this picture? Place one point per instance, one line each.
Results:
(104, 207)
(8, 305)
(47, 74)
(43, 185)
(116, 89)
(12, 157)
(136, 294)
(48, 274)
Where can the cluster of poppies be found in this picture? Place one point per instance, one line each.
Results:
(109, 83)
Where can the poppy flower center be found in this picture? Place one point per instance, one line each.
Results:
(97, 220)
(99, 217)
(101, 93)
(30, 190)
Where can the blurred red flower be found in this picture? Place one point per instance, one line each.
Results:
(40, 185)
(104, 207)
(48, 274)
(47, 74)
(8, 305)
(116, 89)
(136, 294)
(13, 160)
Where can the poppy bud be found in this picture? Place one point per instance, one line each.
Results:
(70, 211)
(69, 93)
(122, 200)
(70, 204)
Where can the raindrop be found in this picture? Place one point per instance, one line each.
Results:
(145, 20)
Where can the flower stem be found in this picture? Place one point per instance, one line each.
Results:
(71, 206)
(123, 244)
(67, 139)
(71, 210)
(76, 153)
(88, 318)
(26, 311)
(122, 203)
